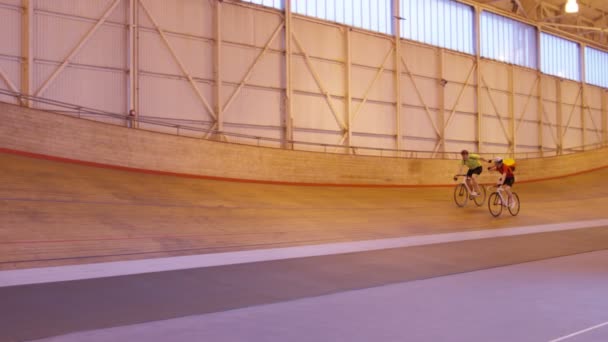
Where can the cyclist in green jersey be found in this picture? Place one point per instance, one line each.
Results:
(471, 161)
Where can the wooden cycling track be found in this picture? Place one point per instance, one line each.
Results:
(56, 213)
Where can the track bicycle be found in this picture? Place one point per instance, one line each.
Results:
(499, 199)
(462, 193)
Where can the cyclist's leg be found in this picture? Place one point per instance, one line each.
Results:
(470, 182)
(476, 172)
(507, 186)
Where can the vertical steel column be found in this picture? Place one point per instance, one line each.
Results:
(136, 54)
(27, 50)
(540, 105)
(583, 101)
(348, 97)
(441, 89)
(397, 35)
(478, 88)
(288, 78)
(558, 117)
(218, 67)
(605, 115)
(131, 59)
(512, 143)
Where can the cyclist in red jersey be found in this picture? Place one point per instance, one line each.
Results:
(507, 178)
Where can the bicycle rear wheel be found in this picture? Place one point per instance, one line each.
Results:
(495, 204)
(461, 195)
(481, 196)
(515, 210)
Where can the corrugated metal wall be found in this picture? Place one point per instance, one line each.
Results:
(10, 48)
(438, 87)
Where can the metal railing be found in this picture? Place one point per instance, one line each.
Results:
(193, 131)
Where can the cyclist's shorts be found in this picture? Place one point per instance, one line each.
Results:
(476, 170)
(509, 181)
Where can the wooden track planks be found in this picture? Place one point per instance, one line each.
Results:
(56, 213)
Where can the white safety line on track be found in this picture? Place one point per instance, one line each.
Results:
(579, 332)
(120, 268)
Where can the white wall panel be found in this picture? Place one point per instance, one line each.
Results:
(496, 75)
(10, 31)
(570, 92)
(195, 54)
(529, 112)
(192, 17)
(467, 102)
(319, 40)
(427, 87)
(158, 58)
(415, 144)
(420, 60)
(371, 51)
(174, 98)
(266, 25)
(106, 48)
(383, 89)
(245, 32)
(382, 142)
(573, 138)
(269, 70)
(11, 2)
(12, 69)
(593, 97)
(549, 133)
(549, 88)
(89, 87)
(524, 81)
(462, 127)
(330, 74)
(527, 134)
(42, 71)
(549, 112)
(375, 118)
(456, 68)
(416, 123)
(85, 9)
(254, 27)
(499, 98)
(572, 116)
(313, 112)
(492, 130)
(56, 37)
(459, 146)
(255, 106)
(593, 119)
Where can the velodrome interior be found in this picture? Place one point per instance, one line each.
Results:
(308, 198)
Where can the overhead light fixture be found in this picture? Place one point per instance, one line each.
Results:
(571, 6)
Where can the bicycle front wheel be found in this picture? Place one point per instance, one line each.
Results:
(495, 204)
(481, 196)
(461, 195)
(514, 209)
